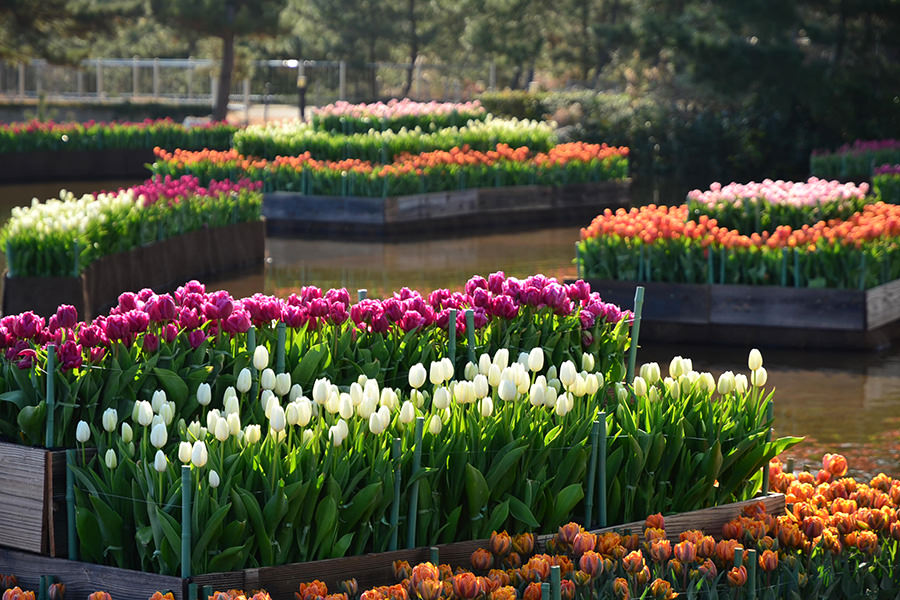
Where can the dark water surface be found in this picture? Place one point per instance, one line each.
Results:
(841, 402)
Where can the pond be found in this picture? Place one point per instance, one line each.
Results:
(843, 402)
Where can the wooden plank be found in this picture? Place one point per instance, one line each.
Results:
(291, 206)
(82, 579)
(678, 302)
(787, 307)
(426, 207)
(42, 294)
(22, 473)
(883, 304)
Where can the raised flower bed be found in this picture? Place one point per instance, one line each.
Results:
(856, 161)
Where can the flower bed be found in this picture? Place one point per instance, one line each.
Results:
(37, 136)
(886, 183)
(409, 174)
(346, 118)
(757, 207)
(292, 138)
(855, 161)
(63, 237)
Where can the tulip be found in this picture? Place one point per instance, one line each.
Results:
(320, 391)
(726, 383)
(480, 385)
(253, 433)
(145, 413)
(435, 425)
(160, 462)
(232, 405)
(282, 384)
(486, 406)
(640, 387)
(436, 373)
(292, 413)
(501, 358)
(244, 381)
(587, 362)
(417, 376)
(127, 433)
(221, 431)
(407, 412)
(184, 452)
(199, 454)
(754, 360)
(737, 576)
(676, 368)
(567, 374)
(550, 396)
(276, 418)
(449, 369)
(620, 589)
(536, 394)
(204, 394)
(211, 418)
(707, 382)
(82, 432)
(441, 398)
(159, 398)
(484, 364)
(334, 434)
(295, 393)
(267, 379)
(110, 459)
(167, 413)
(740, 383)
(345, 406)
(389, 398)
(494, 375)
(266, 399)
(768, 561)
(672, 387)
(194, 429)
(260, 358)
(759, 377)
(470, 371)
(594, 381)
(213, 479)
(110, 419)
(536, 359)
(375, 424)
(159, 435)
(507, 390)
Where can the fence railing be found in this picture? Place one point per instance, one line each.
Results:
(193, 80)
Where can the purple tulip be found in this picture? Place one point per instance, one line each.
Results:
(161, 309)
(25, 358)
(539, 281)
(318, 307)
(393, 309)
(442, 319)
(270, 309)
(92, 336)
(411, 320)
(28, 325)
(580, 291)
(481, 298)
(309, 293)
(237, 322)
(587, 319)
(189, 318)
(117, 328)
(127, 301)
(13, 351)
(337, 313)
(338, 295)
(170, 333)
(138, 321)
(530, 296)
(144, 295)
(218, 305)
(554, 296)
(294, 316)
(474, 283)
(66, 316)
(513, 288)
(97, 355)
(495, 282)
(437, 298)
(150, 343)
(612, 313)
(460, 324)
(69, 355)
(481, 318)
(587, 338)
(196, 337)
(504, 307)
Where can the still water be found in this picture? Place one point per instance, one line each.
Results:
(840, 402)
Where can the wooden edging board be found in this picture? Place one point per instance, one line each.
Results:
(69, 165)
(428, 213)
(160, 265)
(762, 315)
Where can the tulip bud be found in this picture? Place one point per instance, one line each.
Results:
(292, 413)
(356, 393)
(244, 381)
(759, 377)
(211, 418)
(536, 394)
(159, 398)
(160, 461)
(145, 413)
(449, 369)
(159, 435)
(384, 414)
(470, 371)
(260, 358)
(536, 359)
(194, 429)
(252, 434)
(621, 392)
(507, 390)
(375, 424)
(579, 387)
(501, 358)
(295, 393)
(232, 405)
(726, 383)
(110, 459)
(345, 408)
(334, 434)
(567, 374)
(282, 384)
(435, 425)
(276, 418)
(388, 398)
(754, 361)
(417, 398)
(587, 362)
(486, 406)
(562, 404)
(110, 419)
(213, 479)
(484, 364)
(184, 452)
(550, 395)
(204, 394)
(480, 385)
(740, 383)
(494, 375)
(708, 383)
(127, 433)
(676, 368)
(304, 411)
(343, 428)
(199, 454)
(441, 398)
(407, 412)
(640, 387)
(221, 431)
(653, 394)
(417, 376)
(267, 379)
(167, 413)
(306, 437)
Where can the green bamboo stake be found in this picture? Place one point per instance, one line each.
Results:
(42, 588)
(601, 478)
(592, 474)
(434, 555)
(51, 394)
(10, 271)
(796, 268)
(451, 335)
(738, 556)
(770, 415)
(185, 521)
(751, 574)
(395, 504)
(470, 332)
(722, 251)
(555, 591)
(862, 272)
(361, 294)
(251, 349)
(208, 591)
(784, 267)
(70, 505)
(414, 487)
(545, 591)
(281, 332)
(193, 591)
(635, 331)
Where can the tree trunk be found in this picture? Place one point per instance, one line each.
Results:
(223, 90)
(413, 47)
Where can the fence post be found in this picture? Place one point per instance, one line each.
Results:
(155, 78)
(470, 333)
(361, 294)
(190, 77)
(38, 72)
(135, 85)
(451, 337)
(79, 82)
(342, 80)
(99, 79)
(492, 77)
(281, 333)
(213, 84)
(247, 100)
(21, 79)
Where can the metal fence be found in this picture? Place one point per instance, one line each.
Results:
(192, 80)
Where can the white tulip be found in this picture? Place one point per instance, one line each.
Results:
(536, 394)
(110, 419)
(204, 394)
(282, 384)
(260, 358)
(111, 460)
(366, 407)
(213, 479)
(567, 374)
(184, 452)
(435, 425)
(375, 424)
(449, 370)
(754, 360)
(726, 383)
(296, 392)
(553, 382)
(160, 462)
(470, 371)
(199, 454)
(673, 387)
(407, 412)
(145, 413)
(687, 364)
(536, 359)
(759, 377)
(267, 379)
(276, 418)
(494, 375)
(708, 382)
(385, 415)
(304, 411)
(194, 429)
(232, 405)
(593, 383)
(306, 437)
(159, 398)
(127, 433)
(252, 433)
(639, 386)
(292, 413)
(507, 390)
(686, 383)
(550, 395)
(480, 385)
(356, 393)
(388, 398)
(465, 392)
(587, 362)
(343, 428)
(221, 431)
(167, 413)
(265, 400)
(653, 394)
(676, 369)
(158, 435)
(484, 364)
(211, 418)
(334, 434)
(346, 406)
(320, 391)
(562, 405)
(501, 358)
(579, 387)
(441, 398)
(417, 376)
(436, 373)
(486, 406)
(552, 373)
(244, 381)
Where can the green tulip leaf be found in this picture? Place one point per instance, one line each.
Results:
(522, 513)
(477, 491)
(172, 383)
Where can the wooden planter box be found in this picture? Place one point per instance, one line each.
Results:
(161, 265)
(762, 315)
(470, 209)
(281, 582)
(50, 165)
